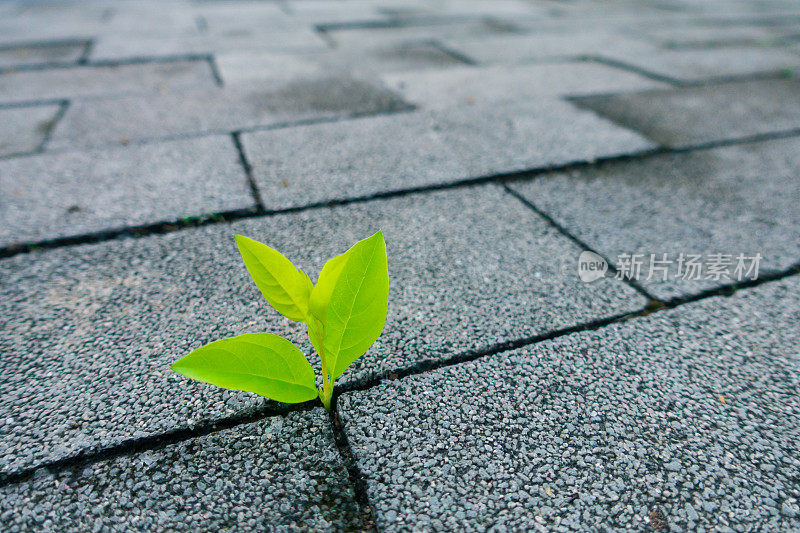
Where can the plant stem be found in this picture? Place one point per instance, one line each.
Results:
(327, 383)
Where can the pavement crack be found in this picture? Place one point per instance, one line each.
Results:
(157, 441)
(270, 409)
(51, 125)
(357, 480)
(248, 170)
(563, 231)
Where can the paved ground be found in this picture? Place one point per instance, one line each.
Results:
(494, 142)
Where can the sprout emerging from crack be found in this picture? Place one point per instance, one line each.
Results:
(344, 313)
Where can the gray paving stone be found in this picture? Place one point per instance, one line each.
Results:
(113, 120)
(704, 64)
(690, 413)
(687, 116)
(698, 34)
(279, 474)
(269, 68)
(92, 81)
(152, 18)
(496, 8)
(422, 31)
(72, 193)
(469, 268)
(23, 129)
(337, 12)
(544, 45)
(322, 162)
(46, 21)
(38, 53)
(121, 46)
(245, 18)
(465, 85)
(733, 200)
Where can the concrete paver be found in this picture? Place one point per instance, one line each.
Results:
(281, 474)
(115, 80)
(466, 85)
(39, 53)
(23, 129)
(703, 64)
(122, 120)
(323, 162)
(421, 31)
(106, 320)
(687, 417)
(83, 192)
(732, 200)
(544, 45)
(673, 126)
(695, 115)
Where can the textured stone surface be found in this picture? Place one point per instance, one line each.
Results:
(696, 34)
(115, 46)
(322, 162)
(687, 417)
(680, 117)
(38, 53)
(49, 21)
(704, 64)
(106, 320)
(23, 129)
(544, 45)
(270, 68)
(88, 81)
(733, 200)
(280, 474)
(421, 31)
(72, 193)
(116, 120)
(467, 85)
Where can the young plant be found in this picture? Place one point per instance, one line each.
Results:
(344, 313)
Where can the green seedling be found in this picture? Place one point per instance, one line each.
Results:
(344, 314)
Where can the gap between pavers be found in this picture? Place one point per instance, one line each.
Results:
(39, 53)
(467, 85)
(90, 330)
(111, 47)
(716, 112)
(239, 67)
(247, 105)
(688, 65)
(79, 82)
(278, 474)
(543, 45)
(24, 129)
(689, 415)
(71, 193)
(421, 30)
(362, 157)
(732, 200)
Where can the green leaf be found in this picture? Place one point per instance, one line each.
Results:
(255, 362)
(349, 302)
(284, 286)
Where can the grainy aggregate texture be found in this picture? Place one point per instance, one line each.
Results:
(106, 320)
(689, 416)
(282, 474)
(733, 200)
(511, 151)
(130, 186)
(710, 113)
